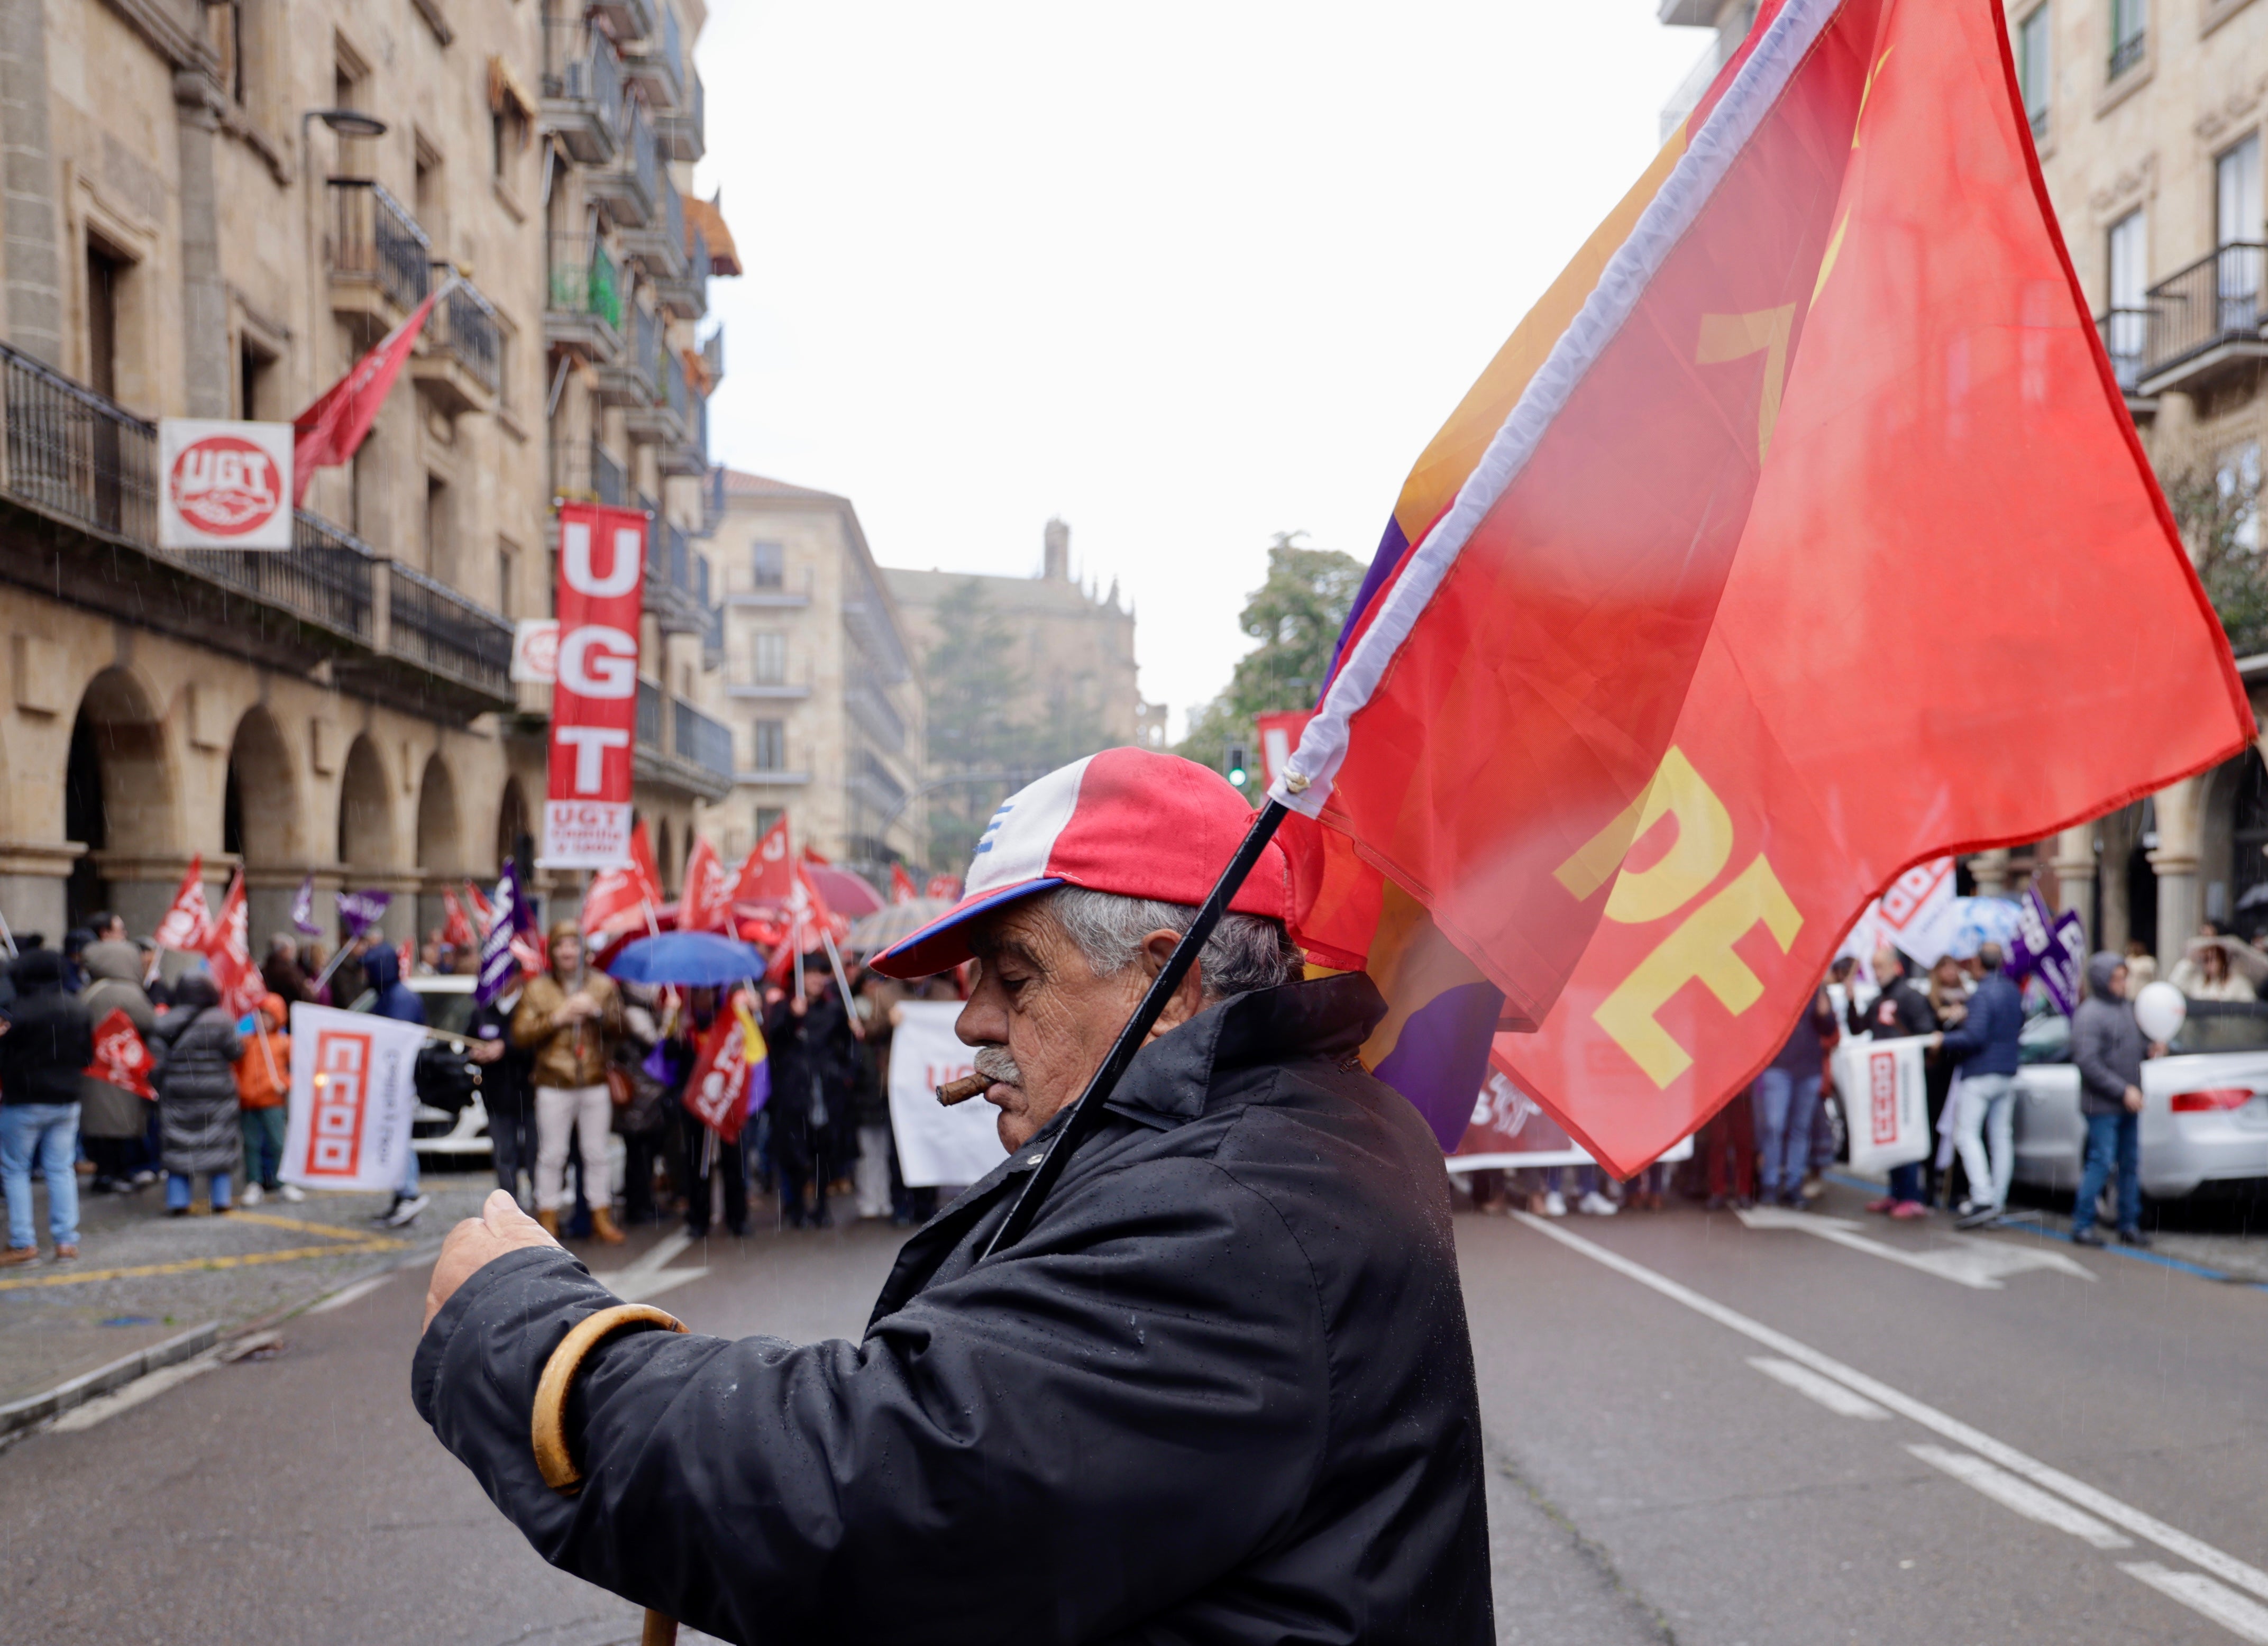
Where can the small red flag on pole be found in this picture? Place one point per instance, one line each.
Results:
(329, 432)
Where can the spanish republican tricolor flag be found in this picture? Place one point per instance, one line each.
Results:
(1798, 535)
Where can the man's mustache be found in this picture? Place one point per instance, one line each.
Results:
(995, 1064)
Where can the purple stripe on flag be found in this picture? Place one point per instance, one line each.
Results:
(1391, 548)
(1441, 1057)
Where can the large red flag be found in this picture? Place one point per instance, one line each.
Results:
(768, 875)
(622, 900)
(331, 430)
(706, 903)
(1726, 601)
(187, 923)
(228, 952)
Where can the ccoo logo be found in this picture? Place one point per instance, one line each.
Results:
(225, 486)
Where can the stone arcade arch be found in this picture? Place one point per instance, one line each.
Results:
(440, 842)
(365, 832)
(119, 803)
(261, 824)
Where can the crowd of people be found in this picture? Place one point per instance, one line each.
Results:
(1773, 1143)
(568, 1058)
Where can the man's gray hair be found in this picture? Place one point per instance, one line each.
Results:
(1245, 952)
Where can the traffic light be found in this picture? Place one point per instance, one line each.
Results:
(1236, 766)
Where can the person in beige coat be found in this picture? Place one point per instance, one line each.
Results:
(568, 1019)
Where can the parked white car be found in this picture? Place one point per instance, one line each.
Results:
(2205, 1104)
(448, 1011)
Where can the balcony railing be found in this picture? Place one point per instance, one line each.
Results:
(871, 709)
(2127, 53)
(684, 133)
(584, 279)
(2126, 340)
(627, 188)
(705, 742)
(712, 354)
(649, 714)
(658, 61)
(463, 326)
(2205, 317)
(374, 237)
(433, 626)
(584, 470)
(583, 86)
(75, 457)
(660, 245)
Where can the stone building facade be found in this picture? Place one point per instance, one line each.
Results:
(2149, 125)
(211, 211)
(819, 686)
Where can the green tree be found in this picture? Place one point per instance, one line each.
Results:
(2218, 510)
(1296, 616)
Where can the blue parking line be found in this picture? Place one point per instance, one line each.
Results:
(2113, 1250)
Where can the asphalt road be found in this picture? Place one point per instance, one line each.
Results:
(1699, 1431)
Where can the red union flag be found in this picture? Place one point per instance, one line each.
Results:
(768, 875)
(120, 1056)
(717, 1091)
(706, 904)
(1776, 553)
(586, 820)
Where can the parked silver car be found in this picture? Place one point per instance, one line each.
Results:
(2205, 1104)
(448, 1003)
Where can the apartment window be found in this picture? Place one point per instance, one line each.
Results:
(2237, 475)
(2126, 326)
(2237, 233)
(507, 559)
(106, 275)
(347, 80)
(2032, 67)
(437, 527)
(767, 658)
(2129, 18)
(428, 197)
(767, 819)
(253, 372)
(767, 739)
(767, 563)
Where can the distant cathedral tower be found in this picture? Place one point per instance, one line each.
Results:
(1056, 567)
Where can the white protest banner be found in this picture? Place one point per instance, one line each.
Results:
(937, 1144)
(1885, 1107)
(1918, 916)
(352, 1094)
(1507, 1132)
(224, 485)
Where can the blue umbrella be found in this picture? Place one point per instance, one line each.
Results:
(693, 959)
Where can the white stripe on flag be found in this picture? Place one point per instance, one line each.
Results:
(1690, 186)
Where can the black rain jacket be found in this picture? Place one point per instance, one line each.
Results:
(1221, 1391)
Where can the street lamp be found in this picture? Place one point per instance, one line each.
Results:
(343, 122)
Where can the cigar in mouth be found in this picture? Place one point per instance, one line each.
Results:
(961, 1090)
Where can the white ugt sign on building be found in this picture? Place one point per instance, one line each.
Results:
(586, 816)
(224, 485)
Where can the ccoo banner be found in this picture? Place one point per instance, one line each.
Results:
(353, 1092)
(586, 818)
(224, 485)
(1885, 1104)
(937, 1144)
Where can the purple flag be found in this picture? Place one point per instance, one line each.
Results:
(303, 908)
(509, 914)
(359, 911)
(2051, 947)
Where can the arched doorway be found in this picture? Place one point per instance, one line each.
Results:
(2249, 849)
(441, 844)
(2142, 881)
(259, 817)
(513, 827)
(118, 799)
(664, 857)
(365, 839)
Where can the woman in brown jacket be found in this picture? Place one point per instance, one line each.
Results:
(568, 1019)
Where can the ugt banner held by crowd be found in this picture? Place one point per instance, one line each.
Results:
(586, 815)
(1654, 683)
(353, 1092)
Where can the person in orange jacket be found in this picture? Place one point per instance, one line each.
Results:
(263, 1081)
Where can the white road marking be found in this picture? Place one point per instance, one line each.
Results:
(2097, 1502)
(108, 1405)
(2021, 1495)
(1966, 1261)
(1826, 1391)
(2232, 1610)
(346, 1295)
(645, 1277)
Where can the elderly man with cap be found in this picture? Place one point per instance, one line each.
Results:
(1220, 1390)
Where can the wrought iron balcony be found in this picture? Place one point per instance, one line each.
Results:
(630, 20)
(684, 131)
(658, 63)
(582, 90)
(582, 304)
(630, 379)
(659, 247)
(697, 756)
(662, 423)
(704, 742)
(688, 455)
(627, 188)
(2127, 53)
(712, 355)
(78, 479)
(584, 471)
(2205, 321)
(460, 357)
(381, 260)
(686, 296)
(2126, 340)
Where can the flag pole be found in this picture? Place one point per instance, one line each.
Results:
(1088, 1111)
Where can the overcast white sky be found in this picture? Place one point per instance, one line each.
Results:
(1184, 274)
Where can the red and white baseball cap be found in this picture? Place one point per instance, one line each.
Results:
(1132, 821)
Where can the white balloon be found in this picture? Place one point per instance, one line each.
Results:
(2161, 1010)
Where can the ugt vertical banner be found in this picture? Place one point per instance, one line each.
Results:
(586, 816)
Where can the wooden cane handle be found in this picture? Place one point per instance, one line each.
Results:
(548, 1429)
